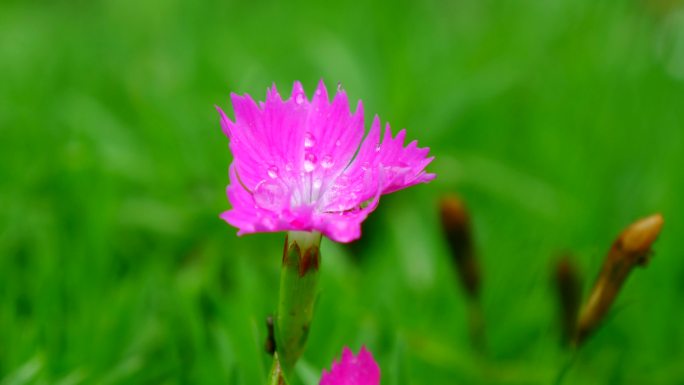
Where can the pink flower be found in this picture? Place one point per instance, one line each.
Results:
(301, 165)
(359, 370)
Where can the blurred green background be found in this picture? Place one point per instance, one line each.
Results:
(559, 122)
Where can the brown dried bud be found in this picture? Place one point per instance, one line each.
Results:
(631, 248)
(457, 231)
(637, 239)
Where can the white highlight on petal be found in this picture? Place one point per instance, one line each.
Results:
(273, 172)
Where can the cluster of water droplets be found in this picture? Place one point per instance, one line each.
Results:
(310, 159)
(309, 156)
(274, 193)
(311, 162)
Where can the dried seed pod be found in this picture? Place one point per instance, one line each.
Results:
(632, 248)
(457, 231)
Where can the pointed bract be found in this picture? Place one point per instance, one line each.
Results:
(304, 165)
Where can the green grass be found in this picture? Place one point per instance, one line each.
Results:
(560, 122)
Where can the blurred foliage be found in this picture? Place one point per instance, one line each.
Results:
(559, 122)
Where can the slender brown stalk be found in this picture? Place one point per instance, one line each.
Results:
(631, 248)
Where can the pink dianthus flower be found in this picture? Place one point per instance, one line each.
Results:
(303, 165)
(353, 370)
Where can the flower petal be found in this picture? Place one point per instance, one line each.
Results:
(353, 370)
(246, 214)
(301, 164)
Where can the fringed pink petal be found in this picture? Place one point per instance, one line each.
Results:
(246, 213)
(303, 164)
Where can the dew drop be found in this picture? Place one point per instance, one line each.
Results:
(341, 182)
(273, 172)
(309, 140)
(309, 162)
(269, 195)
(327, 161)
(299, 99)
(338, 143)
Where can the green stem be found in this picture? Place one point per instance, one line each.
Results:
(298, 291)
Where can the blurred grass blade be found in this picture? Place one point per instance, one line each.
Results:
(27, 373)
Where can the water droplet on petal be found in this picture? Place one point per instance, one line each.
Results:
(327, 161)
(309, 162)
(269, 195)
(341, 182)
(309, 140)
(299, 98)
(273, 172)
(338, 143)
